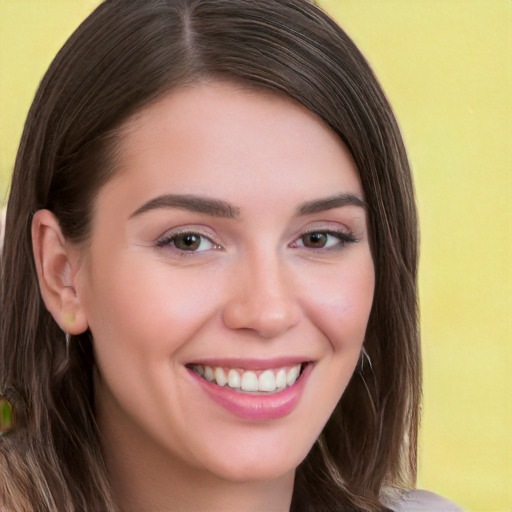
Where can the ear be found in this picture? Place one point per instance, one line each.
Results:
(57, 264)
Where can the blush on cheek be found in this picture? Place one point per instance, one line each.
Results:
(344, 316)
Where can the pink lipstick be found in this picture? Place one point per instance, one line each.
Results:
(269, 390)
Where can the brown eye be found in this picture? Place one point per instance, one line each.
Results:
(328, 239)
(187, 242)
(315, 240)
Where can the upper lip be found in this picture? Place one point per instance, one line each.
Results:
(251, 363)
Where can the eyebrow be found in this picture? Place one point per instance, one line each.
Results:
(329, 203)
(219, 208)
(193, 203)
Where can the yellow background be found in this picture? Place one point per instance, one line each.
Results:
(447, 68)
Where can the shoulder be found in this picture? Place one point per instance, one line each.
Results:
(423, 501)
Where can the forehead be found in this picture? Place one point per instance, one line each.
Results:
(223, 139)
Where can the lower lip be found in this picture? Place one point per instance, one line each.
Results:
(256, 407)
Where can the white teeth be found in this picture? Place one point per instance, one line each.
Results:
(220, 377)
(281, 379)
(267, 381)
(249, 381)
(234, 379)
(208, 373)
(293, 375)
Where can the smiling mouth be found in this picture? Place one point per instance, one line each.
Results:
(258, 382)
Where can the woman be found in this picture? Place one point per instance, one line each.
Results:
(209, 271)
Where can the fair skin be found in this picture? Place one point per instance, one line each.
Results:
(275, 273)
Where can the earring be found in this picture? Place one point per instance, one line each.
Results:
(68, 343)
(69, 320)
(365, 356)
(7, 416)
(361, 374)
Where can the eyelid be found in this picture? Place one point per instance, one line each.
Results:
(343, 233)
(166, 239)
(345, 236)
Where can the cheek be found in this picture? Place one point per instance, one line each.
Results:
(141, 316)
(341, 305)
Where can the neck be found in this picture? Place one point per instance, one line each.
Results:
(186, 491)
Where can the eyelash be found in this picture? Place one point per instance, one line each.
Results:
(170, 240)
(344, 237)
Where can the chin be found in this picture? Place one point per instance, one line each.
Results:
(256, 471)
(257, 465)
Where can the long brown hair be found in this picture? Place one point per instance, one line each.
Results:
(129, 53)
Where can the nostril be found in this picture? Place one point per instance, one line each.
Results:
(262, 299)
(268, 319)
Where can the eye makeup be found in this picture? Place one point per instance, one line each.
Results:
(325, 239)
(187, 241)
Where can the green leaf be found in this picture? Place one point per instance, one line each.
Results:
(6, 416)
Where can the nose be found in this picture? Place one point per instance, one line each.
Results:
(261, 298)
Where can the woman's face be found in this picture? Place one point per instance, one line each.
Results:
(232, 245)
